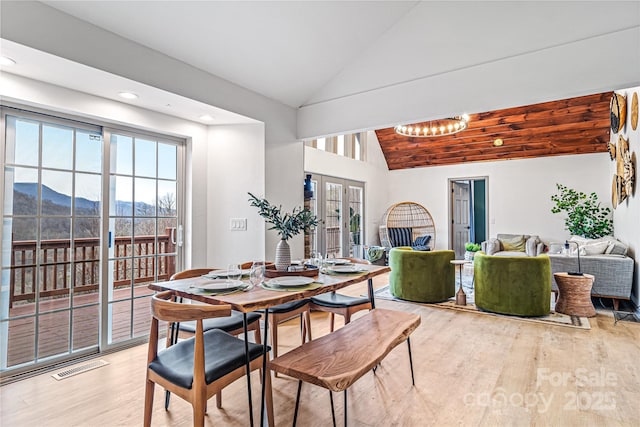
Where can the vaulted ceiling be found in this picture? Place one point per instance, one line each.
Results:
(308, 52)
(570, 126)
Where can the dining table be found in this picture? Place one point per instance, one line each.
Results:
(261, 297)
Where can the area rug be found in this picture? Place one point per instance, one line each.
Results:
(552, 318)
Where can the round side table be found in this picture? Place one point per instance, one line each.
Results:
(461, 297)
(574, 296)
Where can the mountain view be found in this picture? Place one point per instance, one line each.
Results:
(87, 214)
(28, 192)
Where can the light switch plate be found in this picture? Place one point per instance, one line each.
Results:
(238, 224)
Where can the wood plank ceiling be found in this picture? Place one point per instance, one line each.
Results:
(569, 126)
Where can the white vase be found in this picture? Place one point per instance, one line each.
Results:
(468, 256)
(283, 256)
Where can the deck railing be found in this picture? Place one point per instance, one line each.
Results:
(134, 262)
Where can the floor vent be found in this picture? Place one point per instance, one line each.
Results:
(79, 369)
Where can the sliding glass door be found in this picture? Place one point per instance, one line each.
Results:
(90, 217)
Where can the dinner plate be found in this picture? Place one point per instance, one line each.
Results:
(223, 273)
(347, 269)
(338, 261)
(290, 281)
(220, 285)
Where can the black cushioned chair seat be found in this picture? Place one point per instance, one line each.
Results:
(227, 324)
(335, 300)
(223, 353)
(288, 306)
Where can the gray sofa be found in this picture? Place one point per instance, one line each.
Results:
(613, 269)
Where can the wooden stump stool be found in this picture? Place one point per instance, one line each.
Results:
(574, 296)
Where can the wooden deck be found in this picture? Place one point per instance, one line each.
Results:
(54, 327)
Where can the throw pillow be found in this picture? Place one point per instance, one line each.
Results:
(616, 247)
(400, 236)
(532, 246)
(422, 240)
(594, 248)
(515, 244)
(579, 239)
(492, 246)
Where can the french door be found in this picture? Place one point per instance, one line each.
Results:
(339, 205)
(89, 217)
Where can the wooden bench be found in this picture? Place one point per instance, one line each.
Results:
(337, 360)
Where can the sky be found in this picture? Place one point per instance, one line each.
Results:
(57, 157)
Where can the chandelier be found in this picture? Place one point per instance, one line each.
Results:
(433, 128)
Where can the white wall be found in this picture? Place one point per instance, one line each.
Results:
(626, 216)
(235, 166)
(519, 191)
(373, 172)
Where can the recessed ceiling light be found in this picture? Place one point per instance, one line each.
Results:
(128, 95)
(6, 61)
(206, 117)
(498, 142)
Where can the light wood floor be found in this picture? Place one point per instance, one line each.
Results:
(471, 370)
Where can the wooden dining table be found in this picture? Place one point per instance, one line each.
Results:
(260, 298)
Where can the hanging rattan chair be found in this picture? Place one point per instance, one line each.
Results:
(407, 215)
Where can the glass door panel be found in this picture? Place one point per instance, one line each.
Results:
(356, 213)
(50, 239)
(143, 224)
(333, 219)
(314, 241)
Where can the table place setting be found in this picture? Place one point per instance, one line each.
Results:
(345, 269)
(224, 274)
(337, 261)
(290, 283)
(219, 286)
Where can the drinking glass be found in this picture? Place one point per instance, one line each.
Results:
(316, 259)
(234, 272)
(256, 276)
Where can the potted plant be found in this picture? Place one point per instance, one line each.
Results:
(286, 224)
(585, 216)
(471, 249)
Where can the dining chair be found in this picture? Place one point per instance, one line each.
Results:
(199, 367)
(283, 312)
(233, 324)
(344, 305)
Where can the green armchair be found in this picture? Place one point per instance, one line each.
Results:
(513, 285)
(421, 276)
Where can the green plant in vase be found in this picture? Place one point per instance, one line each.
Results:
(286, 224)
(471, 249)
(585, 216)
